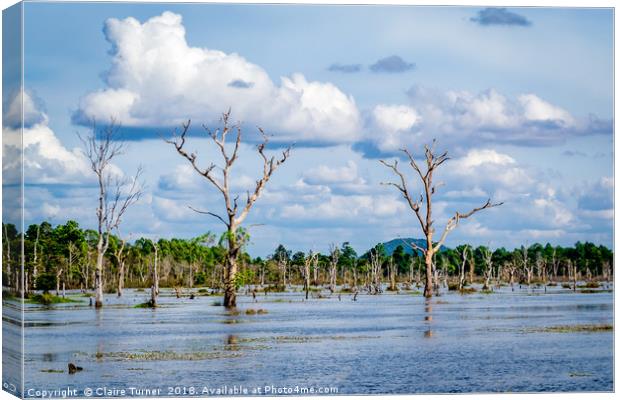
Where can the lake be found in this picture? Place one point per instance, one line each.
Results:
(506, 341)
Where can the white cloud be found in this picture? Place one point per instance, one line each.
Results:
(466, 119)
(45, 159)
(389, 123)
(536, 109)
(347, 208)
(324, 174)
(158, 79)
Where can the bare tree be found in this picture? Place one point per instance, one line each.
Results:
(392, 274)
(527, 268)
(234, 215)
(487, 256)
(463, 253)
(511, 267)
(310, 260)
(120, 256)
(154, 277)
(422, 206)
(116, 194)
(334, 255)
(375, 272)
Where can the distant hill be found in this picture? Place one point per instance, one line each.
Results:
(394, 243)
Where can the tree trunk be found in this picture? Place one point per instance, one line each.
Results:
(121, 279)
(230, 270)
(428, 259)
(99, 274)
(154, 281)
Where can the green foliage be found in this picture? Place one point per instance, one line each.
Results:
(47, 299)
(244, 277)
(46, 282)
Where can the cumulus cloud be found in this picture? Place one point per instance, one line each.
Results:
(45, 159)
(391, 124)
(33, 110)
(499, 16)
(326, 175)
(345, 68)
(463, 119)
(158, 79)
(392, 64)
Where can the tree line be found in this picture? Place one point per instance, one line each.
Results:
(64, 257)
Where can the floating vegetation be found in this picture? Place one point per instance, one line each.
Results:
(467, 290)
(575, 328)
(148, 304)
(250, 311)
(301, 339)
(590, 285)
(171, 356)
(53, 371)
(216, 303)
(595, 291)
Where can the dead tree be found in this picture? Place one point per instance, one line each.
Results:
(120, 256)
(116, 194)
(154, 278)
(527, 268)
(334, 255)
(422, 205)
(235, 216)
(283, 267)
(392, 274)
(7, 256)
(487, 256)
(555, 264)
(375, 272)
(463, 253)
(310, 260)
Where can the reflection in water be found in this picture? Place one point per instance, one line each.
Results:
(428, 318)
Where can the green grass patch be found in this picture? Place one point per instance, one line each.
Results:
(148, 304)
(590, 285)
(48, 298)
(595, 291)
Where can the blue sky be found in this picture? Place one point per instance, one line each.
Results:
(522, 99)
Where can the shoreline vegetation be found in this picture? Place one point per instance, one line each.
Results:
(195, 267)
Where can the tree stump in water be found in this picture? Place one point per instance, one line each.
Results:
(73, 368)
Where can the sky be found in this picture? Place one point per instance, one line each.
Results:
(521, 98)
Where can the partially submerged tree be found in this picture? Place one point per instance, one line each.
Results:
(334, 255)
(422, 206)
(234, 215)
(116, 193)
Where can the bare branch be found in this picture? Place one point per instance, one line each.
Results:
(454, 221)
(209, 213)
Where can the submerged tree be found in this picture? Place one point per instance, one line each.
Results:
(116, 193)
(422, 206)
(234, 215)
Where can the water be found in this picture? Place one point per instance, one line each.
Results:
(391, 343)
